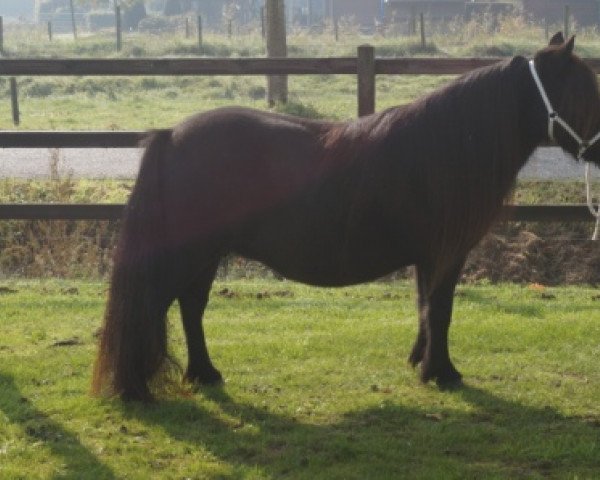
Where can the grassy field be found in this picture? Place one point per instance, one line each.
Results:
(317, 386)
(115, 103)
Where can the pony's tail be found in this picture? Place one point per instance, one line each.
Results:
(133, 342)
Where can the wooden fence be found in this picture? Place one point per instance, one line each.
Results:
(365, 66)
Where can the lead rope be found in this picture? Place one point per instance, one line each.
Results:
(590, 202)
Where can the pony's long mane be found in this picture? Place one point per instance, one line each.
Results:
(473, 154)
(459, 147)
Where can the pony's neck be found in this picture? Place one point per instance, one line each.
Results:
(463, 147)
(497, 124)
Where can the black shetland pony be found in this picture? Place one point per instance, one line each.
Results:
(329, 204)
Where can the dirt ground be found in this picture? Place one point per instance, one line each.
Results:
(536, 254)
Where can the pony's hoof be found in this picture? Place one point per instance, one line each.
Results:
(137, 397)
(214, 381)
(212, 378)
(449, 384)
(446, 377)
(415, 358)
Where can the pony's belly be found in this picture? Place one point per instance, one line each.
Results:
(316, 250)
(331, 269)
(336, 279)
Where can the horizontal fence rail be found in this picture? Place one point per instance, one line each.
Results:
(547, 213)
(72, 139)
(180, 66)
(246, 66)
(114, 211)
(365, 66)
(61, 211)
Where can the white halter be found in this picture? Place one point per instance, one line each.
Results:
(583, 145)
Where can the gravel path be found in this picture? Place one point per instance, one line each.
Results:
(546, 163)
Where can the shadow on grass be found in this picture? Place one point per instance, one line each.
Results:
(495, 439)
(77, 460)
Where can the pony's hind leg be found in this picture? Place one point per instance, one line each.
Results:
(418, 351)
(435, 312)
(200, 370)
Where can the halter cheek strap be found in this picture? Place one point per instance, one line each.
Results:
(583, 145)
(554, 117)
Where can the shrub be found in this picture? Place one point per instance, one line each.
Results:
(157, 24)
(39, 89)
(298, 109)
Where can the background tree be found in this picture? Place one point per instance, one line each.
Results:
(73, 19)
(134, 11)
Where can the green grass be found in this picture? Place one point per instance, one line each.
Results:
(118, 104)
(115, 103)
(317, 382)
(317, 386)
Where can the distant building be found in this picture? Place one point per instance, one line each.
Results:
(494, 8)
(366, 13)
(584, 12)
(215, 12)
(59, 13)
(400, 11)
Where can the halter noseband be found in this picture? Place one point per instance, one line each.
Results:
(583, 145)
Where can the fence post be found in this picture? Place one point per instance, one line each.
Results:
(73, 20)
(262, 22)
(277, 85)
(336, 29)
(1, 35)
(567, 21)
(118, 26)
(49, 31)
(14, 100)
(200, 33)
(187, 27)
(366, 80)
(422, 22)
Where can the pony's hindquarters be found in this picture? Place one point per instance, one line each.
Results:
(133, 345)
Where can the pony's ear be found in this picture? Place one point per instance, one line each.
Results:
(557, 39)
(570, 45)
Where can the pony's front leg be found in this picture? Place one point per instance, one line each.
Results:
(435, 314)
(200, 370)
